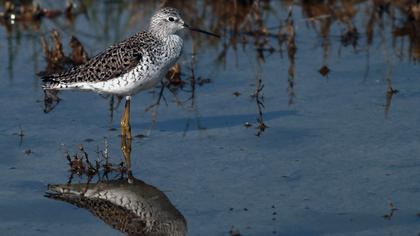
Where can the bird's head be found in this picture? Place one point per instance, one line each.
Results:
(167, 21)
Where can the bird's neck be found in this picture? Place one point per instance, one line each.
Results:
(163, 35)
(160, 31)
(173, 40)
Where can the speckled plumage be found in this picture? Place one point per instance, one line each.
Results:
(132, 65)
(133, 208)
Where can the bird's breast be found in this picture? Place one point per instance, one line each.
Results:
(171, 51)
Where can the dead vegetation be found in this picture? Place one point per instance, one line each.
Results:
(101, 167)
(57, 61)
(245, 26)
(55, 57)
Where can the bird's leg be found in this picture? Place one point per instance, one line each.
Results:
(125, 120)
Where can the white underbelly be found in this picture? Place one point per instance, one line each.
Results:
(130, 83)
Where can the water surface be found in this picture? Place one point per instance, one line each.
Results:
(338, 92)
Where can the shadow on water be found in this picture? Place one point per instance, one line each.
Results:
(217, 122)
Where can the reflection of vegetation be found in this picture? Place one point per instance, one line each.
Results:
(242, 22)
(288, 35)
(392, 210)
(245, 24)
(259, 98)
(20, 134)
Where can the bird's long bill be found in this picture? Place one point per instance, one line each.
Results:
(201, 31)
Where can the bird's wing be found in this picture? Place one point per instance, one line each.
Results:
(111, 63)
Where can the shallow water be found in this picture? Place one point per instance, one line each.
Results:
(339, 149)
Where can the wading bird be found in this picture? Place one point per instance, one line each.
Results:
(130, 66)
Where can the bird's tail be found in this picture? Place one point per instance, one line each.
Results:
(49, 82)
(57, 83)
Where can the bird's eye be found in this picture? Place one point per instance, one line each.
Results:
(171, 19)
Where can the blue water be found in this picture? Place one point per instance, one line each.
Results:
(328, 164)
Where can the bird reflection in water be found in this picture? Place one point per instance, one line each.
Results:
(134, 208)
(127, 204)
